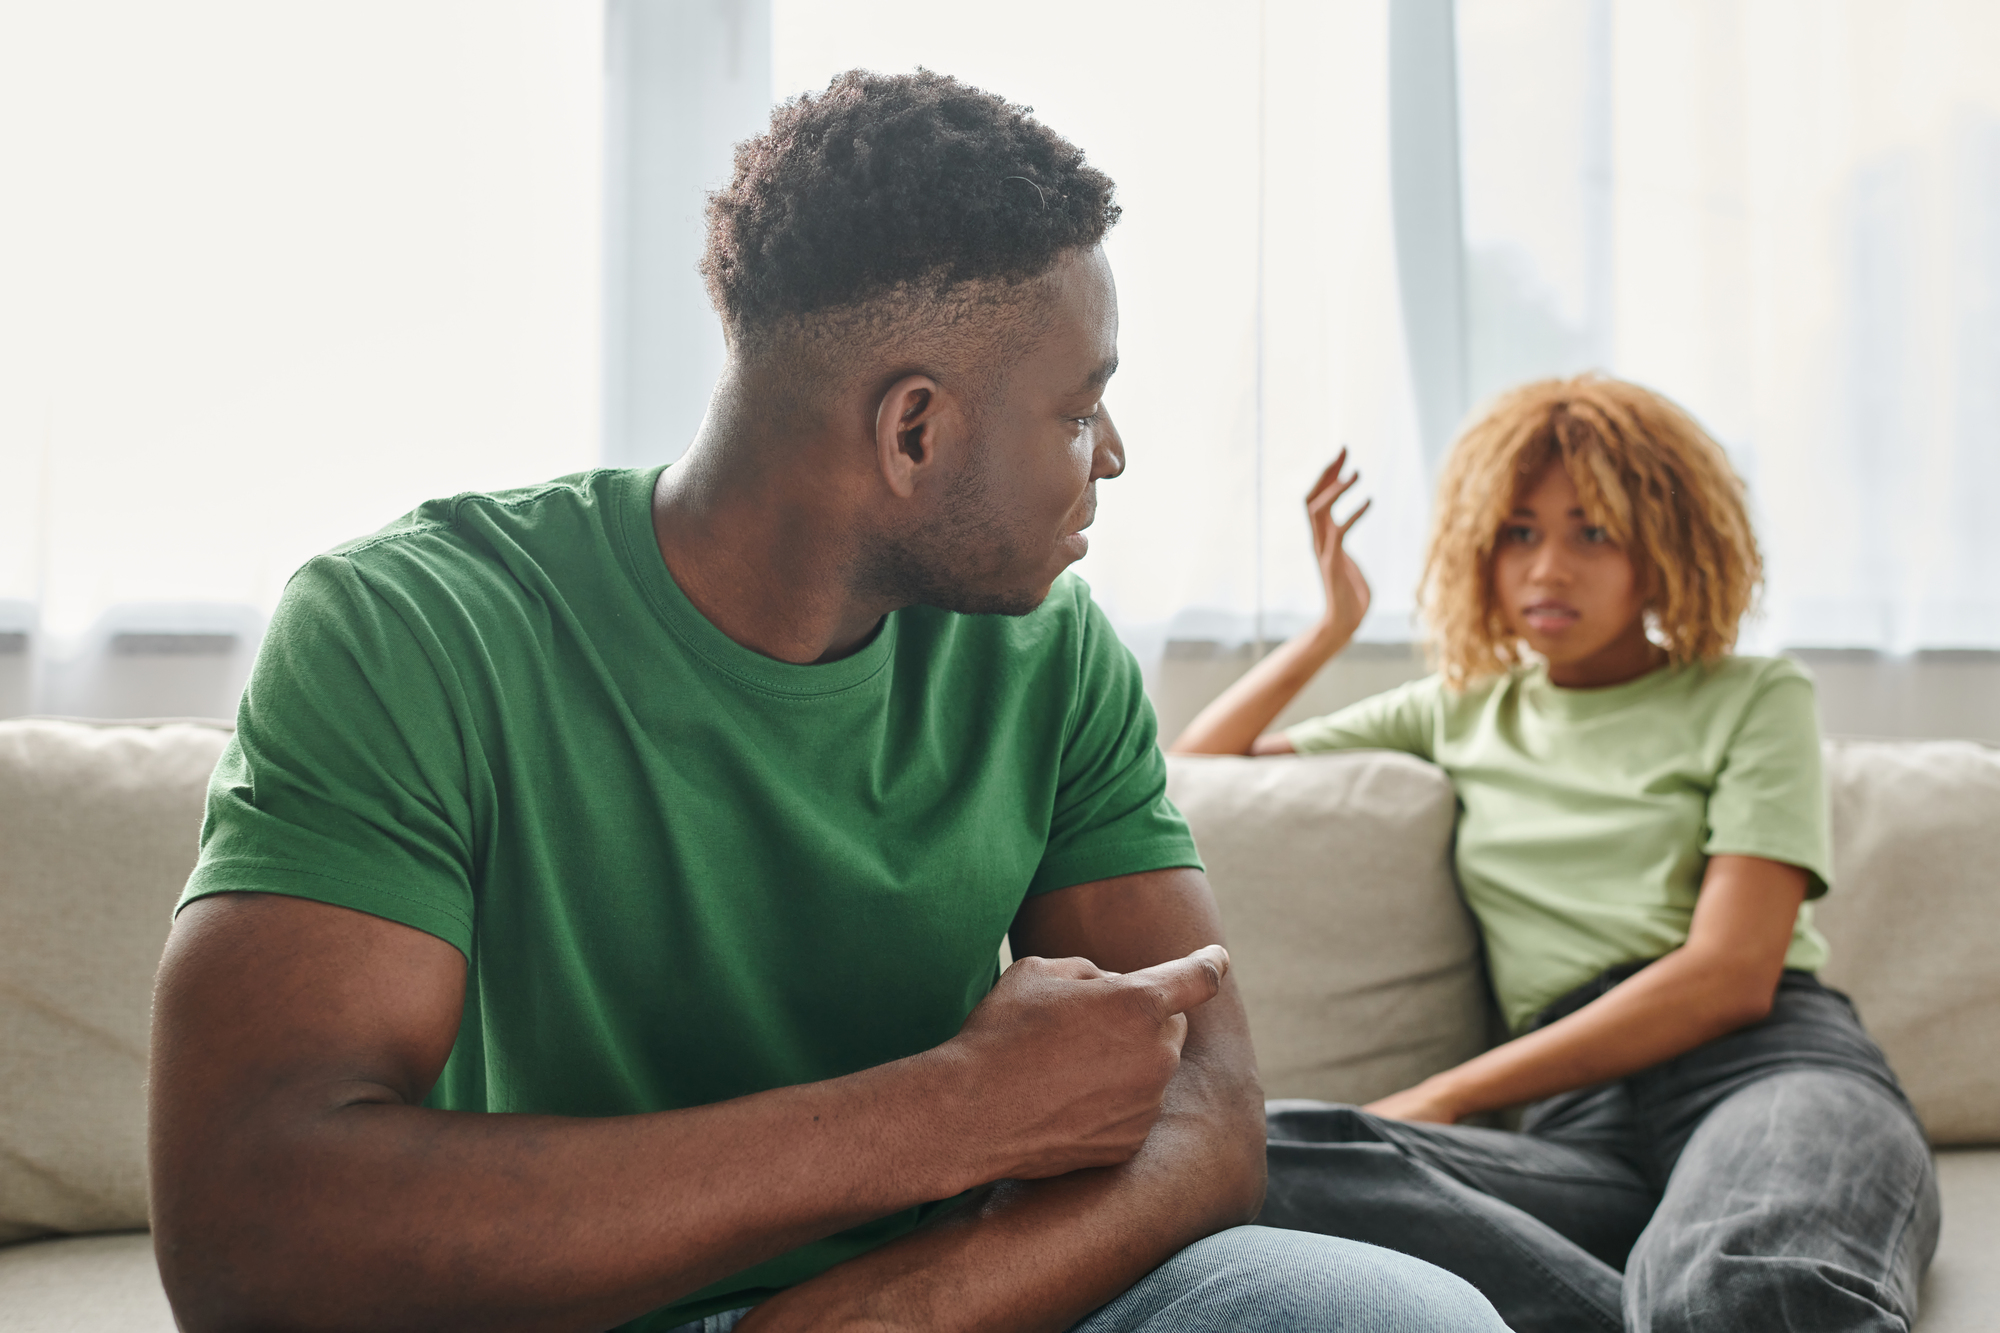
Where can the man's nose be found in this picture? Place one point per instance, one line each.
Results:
(1107, 460)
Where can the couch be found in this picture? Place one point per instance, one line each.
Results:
(1359, 965)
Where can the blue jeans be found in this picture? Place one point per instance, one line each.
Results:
(1772, 1180)
(1260, 1280)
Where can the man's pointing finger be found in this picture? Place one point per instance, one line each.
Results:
(1186, 983)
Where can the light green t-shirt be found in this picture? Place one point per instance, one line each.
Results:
(680, 871)
(1587, 817)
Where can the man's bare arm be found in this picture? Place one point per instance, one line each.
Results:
(298, 1182)
(1040, 1255)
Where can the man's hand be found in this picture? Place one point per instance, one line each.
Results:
(1036, 1255)
(1103, 1047)
(299, 1182)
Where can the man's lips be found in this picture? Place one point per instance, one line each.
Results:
(1074, 538)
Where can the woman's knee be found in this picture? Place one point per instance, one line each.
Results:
(1809, 1191)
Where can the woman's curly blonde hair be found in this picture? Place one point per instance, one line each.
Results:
(1658, 484)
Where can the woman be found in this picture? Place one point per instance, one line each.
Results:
(1710, 1141)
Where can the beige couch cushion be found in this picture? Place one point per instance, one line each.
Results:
(83, 1284)
(98, 825)
(1358, 963)
(1914, 919)
(1961, 1293)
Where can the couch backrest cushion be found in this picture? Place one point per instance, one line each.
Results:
(1358, 964)
(98, 825)
(1360, 967)
(1914, 919)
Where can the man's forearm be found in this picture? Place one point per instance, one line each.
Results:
(298, 1182)
(1035, 1255)
(542, 1222)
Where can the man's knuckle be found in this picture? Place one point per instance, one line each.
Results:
(1149, 1001)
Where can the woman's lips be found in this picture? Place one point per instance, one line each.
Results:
(1550, 617)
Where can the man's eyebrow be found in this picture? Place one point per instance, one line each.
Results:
(1101, 376)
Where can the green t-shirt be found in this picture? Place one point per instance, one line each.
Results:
(1587, 817)
(680, 871)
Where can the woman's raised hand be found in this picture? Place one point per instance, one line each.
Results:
(1346, 588)
(1234, 723)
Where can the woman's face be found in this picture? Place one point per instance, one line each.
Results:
(1567, 590)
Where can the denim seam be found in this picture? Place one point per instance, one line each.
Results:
(1554, 1177)
(1562, 1285)
(1893, 1252)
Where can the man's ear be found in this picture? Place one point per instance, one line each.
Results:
(910, 422)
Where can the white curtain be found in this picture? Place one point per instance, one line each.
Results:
(271, 274)
(1785, 214)
(274, 273)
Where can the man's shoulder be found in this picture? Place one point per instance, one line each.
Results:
(454, 522)
(466, 571)
(478, 542)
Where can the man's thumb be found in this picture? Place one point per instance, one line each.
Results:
(1186, 983)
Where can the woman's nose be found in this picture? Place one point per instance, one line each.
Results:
(1549, 566)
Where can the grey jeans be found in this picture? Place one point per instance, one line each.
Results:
(1257, 1280)
(1773, 1179)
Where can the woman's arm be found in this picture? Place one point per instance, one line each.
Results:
(1235, 722)
(1722, 979)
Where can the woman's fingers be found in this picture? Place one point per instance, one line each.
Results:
(1328, 477)
(1353, 518)
(1332, 471)
(1330, 490)
(1326, 532)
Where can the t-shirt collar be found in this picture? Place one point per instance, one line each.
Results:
(699, 634)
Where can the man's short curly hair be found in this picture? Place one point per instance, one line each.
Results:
(886, 183)
(1644, 470)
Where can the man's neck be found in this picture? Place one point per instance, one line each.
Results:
(764, 556)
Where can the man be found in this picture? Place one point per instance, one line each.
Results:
(679, 816)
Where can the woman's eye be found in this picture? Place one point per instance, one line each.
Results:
(1517, 534)
(1596, 535)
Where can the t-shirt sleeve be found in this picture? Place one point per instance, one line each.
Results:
(1112, 816)
(1404, 718)
(1769, 798)
(347, 779)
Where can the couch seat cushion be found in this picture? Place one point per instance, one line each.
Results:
(83, 1284)
(1962, 1292)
